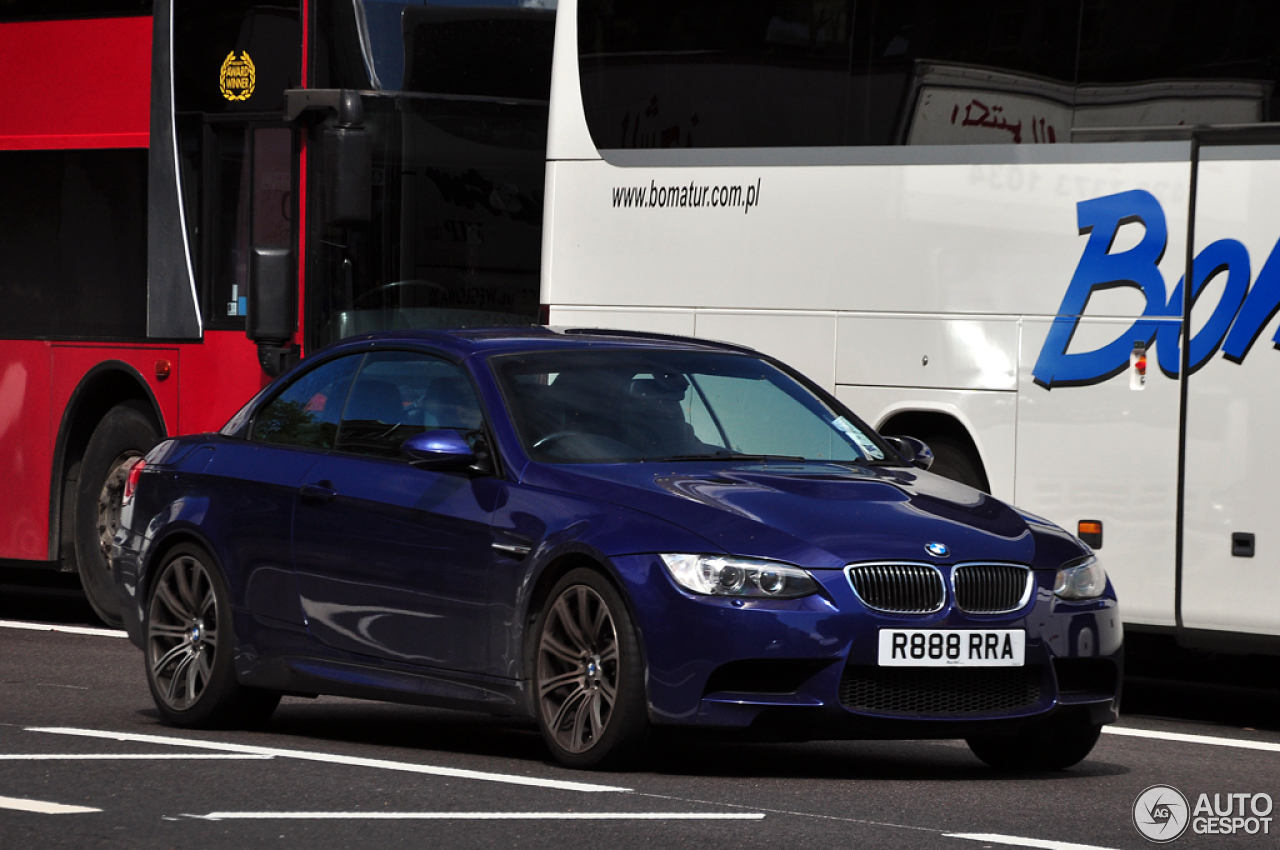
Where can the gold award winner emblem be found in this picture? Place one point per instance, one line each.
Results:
(237, 77)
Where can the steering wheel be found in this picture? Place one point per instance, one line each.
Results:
(377, 298)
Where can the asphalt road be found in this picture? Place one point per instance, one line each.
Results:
(86, 763)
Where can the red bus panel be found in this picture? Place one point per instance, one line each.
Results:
(76, 84)
(26, 444)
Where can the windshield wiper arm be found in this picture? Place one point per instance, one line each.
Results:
(725, 455)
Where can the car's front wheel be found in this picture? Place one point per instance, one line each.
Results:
(588, 674)
(189, 647)
(1054, 744)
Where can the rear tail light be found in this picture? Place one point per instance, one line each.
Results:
(131, 483)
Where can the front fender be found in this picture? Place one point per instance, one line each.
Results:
(557, 526)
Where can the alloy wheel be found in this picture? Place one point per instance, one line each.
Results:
(182, 632)
(578, 669)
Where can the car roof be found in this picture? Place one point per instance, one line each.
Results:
(467, 342)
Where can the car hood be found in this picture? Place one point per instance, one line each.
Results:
(821, 514)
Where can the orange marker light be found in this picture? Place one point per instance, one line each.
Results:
(1090, 531)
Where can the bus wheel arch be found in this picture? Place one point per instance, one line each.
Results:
(956, 455)
(112, 412)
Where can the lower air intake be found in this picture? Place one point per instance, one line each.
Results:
(940, 691)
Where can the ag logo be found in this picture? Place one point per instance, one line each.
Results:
(1161, 813)
(237, 77)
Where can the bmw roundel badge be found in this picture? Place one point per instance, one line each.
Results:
(937, 550)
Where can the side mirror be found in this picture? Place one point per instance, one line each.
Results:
(273, 303)
(914, 451)
(347, 148)
(348, 173)
(441, 450)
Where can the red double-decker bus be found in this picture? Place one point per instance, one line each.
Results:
(193, 195)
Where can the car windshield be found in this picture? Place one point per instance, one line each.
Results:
(611, 406)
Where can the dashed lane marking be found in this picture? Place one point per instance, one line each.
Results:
(129, 756)
(71, 630)
(1182, 738)
(42, 808)
(480, 816)
(330, 758)
(1015, 841)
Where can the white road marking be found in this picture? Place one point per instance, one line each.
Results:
(1182, 738)
(480, 816)
(330, 758)
(43, 808)
(1015, 841)
(127, 756)
(71, 630)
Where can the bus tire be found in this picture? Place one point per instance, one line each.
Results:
(952, 460)
(125, 434)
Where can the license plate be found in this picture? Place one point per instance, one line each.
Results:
(952, 647)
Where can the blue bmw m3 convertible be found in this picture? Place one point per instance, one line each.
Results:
(606, 533)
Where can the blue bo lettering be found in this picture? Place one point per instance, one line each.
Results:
(1239, 316)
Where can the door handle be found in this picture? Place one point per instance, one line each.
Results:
(318, 493)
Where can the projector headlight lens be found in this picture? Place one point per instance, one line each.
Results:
(719, 575)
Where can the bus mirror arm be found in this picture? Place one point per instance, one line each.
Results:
(345, 103)
(277, 359)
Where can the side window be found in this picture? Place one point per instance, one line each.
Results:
(400, 393)
(248, 198)
(306, 413)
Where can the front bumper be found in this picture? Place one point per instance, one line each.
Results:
(807, 668)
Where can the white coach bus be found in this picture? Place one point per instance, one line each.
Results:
(970, 220)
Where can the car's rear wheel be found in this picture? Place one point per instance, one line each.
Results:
(588, 676)
(189, 647)
(123, 436)
(1054, 744)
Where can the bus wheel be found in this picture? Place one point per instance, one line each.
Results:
(951, 460)
(124, 435)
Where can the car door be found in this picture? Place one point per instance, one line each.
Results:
(393, 560)
(252, 484)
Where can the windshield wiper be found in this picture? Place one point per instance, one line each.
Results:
(725, 455)
(860, 461)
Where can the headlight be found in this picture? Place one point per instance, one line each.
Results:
(716, 575)
(1086, 581)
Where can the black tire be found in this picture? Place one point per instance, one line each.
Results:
(125, 434)
(952, 460)
(189, 648)
(1054, 744)
(588, 675)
